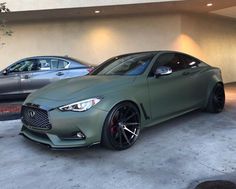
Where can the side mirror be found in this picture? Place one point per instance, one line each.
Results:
(4, 72)
(163, 70)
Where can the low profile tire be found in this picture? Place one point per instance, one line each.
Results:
(216, 101)
(122, 126)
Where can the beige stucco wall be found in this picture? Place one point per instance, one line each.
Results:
(92, 40)
(213, 39)
(96, 39)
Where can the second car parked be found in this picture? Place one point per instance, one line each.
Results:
(29, 74)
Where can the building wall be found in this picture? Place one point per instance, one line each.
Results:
(96, 39)
(91, 40)
(213, 39)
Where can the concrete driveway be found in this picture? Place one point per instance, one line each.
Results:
(177, 154)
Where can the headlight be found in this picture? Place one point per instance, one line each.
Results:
(80, 106)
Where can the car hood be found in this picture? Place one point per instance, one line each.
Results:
(80, 88)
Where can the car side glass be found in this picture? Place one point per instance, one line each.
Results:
(190, 62)
(44, 64)
(29, 65)
(62, 64)
(15, 67)
(165, 59)
(54, 64)
(162, 71)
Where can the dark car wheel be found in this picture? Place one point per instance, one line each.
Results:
(216, 101)
(122, 126)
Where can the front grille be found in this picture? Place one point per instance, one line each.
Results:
(35, 117)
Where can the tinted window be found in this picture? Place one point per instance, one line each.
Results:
(189, 62)
(52, 64)
(134, 64)
(171, 60)
(24, 66)
(44, 64)
(62, 64)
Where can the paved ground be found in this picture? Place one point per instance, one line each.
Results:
(175, 155)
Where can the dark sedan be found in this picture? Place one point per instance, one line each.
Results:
(29, 74)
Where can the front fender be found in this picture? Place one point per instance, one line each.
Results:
(140, 99)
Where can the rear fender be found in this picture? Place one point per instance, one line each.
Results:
(215, 77)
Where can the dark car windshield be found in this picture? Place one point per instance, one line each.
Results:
(133, 64)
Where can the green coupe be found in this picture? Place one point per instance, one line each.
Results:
(123, 95)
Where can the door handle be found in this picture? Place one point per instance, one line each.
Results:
(26, 76)
(186, 73)
(60, 74)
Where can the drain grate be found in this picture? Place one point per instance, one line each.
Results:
(218, 184)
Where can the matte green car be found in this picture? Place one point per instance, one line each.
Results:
(123, 95)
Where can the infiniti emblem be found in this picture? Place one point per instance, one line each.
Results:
(31, 113)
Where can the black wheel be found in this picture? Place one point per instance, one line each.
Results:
(216, 101)
(122, 126)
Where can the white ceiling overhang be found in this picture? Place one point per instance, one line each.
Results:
(26, 10)
(229, 12)
(35, 5)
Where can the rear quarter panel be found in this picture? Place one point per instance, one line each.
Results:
(211, 76)
(75, 72)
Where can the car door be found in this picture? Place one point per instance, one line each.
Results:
(49, 70)
(76, 70)
(62, 70)
(26, 76)
(168, 94)
(10, 80)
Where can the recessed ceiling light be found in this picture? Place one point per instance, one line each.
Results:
(97, 11)
(209, 4)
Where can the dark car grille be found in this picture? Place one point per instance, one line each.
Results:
(35, 117)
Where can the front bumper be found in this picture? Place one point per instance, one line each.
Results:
(65, 125)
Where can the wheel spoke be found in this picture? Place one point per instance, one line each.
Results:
(127, 124)
(126, 112)
(120, 138)
(125, 128)
(121, 114)
(126, 138)
(219, 104)
(116, 135)
(132, 115)
(219, 98)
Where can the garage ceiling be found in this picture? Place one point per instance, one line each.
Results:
(220, 7)
(230, 12)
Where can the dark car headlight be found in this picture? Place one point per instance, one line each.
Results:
(80, 106)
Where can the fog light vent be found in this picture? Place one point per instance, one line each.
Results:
(80, 135)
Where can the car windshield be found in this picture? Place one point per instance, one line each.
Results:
(133, 64)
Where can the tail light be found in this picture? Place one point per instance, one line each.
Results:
(90, 69)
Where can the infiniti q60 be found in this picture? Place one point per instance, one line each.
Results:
(119, 98)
